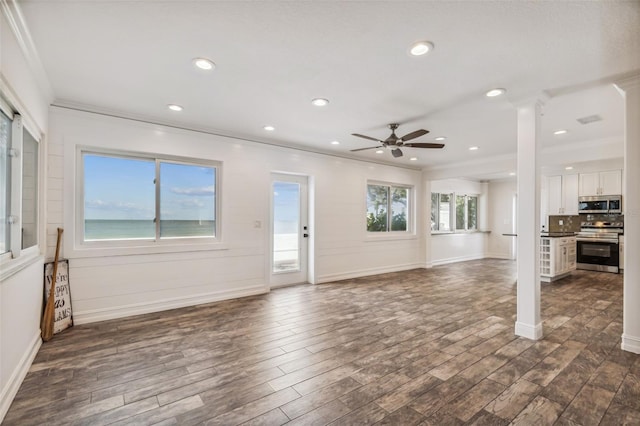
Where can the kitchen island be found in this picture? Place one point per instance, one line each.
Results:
(557, 255)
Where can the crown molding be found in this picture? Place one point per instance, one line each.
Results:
(628, 83)
(18, 25)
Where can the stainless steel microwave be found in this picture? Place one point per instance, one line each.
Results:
(602, 204)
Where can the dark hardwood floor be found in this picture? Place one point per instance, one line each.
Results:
(430, 347)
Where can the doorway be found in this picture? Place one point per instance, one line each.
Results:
(290, 231)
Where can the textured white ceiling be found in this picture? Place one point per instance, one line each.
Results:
(133, 58)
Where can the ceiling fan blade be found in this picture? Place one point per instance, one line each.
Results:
(366, 137)
(414, 135)
(424, 145)
(362, 149)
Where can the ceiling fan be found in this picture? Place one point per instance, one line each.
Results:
(395, 141)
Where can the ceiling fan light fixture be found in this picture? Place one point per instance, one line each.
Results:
(320, 102)
(396, 152)
(421, 48)
(495, 92)
(204, 64)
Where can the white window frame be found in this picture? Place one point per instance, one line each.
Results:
(155, 244)
(411, 212)
(16, 255)
(453, 213)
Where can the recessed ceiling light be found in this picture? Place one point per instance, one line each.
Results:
(379, 151)
(269, 128)
(560, 132)
(569, 168)
(335, 143)
(320, 102)
(473, 148)
(413, 159)
(174, 107)
(512, 173)
(204, 64)
(495, 92)
(441, 138)
(421, 48)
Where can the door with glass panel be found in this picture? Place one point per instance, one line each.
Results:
(289, 229)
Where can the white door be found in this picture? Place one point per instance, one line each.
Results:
(289, 229)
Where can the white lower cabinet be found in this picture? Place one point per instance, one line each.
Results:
(557, 257)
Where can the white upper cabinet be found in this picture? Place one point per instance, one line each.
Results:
(601, 183)
(611, 182)
(563, 195)
(570, 194)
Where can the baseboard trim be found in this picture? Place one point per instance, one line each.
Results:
(630, 344)
(85, 317)
(456, 259)
(19, 373)
(498, 256)
(533, 332)
(367, 272)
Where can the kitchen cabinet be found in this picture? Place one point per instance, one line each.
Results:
(601, 183)
(563, 195)
(621, 245)
(557, 257)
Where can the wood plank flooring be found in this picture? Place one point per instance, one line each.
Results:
(422, 347)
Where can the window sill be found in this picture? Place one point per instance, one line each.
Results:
(460, 232)
(14, 266)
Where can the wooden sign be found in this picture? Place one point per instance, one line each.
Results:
(63, 317)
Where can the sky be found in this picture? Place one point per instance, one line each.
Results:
(123, 189)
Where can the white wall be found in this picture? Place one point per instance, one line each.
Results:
(457, 247)
(501, 195)
(20, 279)
(108, 283)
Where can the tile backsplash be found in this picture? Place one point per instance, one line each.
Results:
(564, 223)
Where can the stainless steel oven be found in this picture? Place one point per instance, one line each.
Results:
(598, 254)
(597, 242)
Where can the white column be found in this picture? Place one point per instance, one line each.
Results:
(528, 323)
(630, 90)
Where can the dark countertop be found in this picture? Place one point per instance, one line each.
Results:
(557, 234)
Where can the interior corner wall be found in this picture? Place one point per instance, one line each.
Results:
(20, 287)
(114, 285)
(458, 247)
(501, 195)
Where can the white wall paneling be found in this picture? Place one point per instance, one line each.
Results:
(24, 87)
(107, 284)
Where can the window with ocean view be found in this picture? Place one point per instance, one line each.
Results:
(134, 198)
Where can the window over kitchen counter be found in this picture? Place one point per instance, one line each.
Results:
(451, 212)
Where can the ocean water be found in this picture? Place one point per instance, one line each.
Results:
(100, 229)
